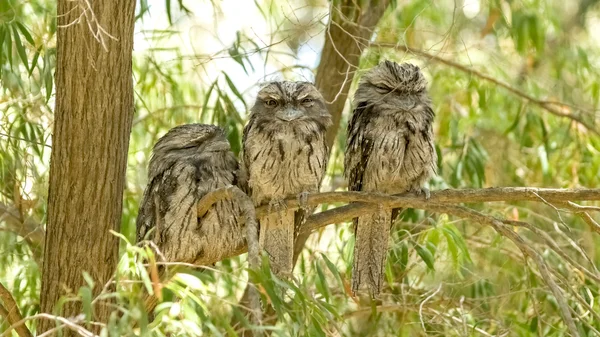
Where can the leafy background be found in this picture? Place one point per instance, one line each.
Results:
(201, 62)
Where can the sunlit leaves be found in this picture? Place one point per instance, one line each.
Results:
(470, 165)
(486, 135)
(528, 31)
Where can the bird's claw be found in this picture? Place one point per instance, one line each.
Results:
(277, 205)
(303, 200)
(425, 191)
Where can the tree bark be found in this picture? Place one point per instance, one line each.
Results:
(348, 33)
(93, 116)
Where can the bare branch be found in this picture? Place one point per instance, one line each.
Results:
(581, 211)
(446, 201)
(10, 311)
(363, 202)
(554, 246)
(71, 323)
(32, 232)
(526, 249)
(448, 196)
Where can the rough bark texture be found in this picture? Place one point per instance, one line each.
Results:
(93, 116)
(348, 34)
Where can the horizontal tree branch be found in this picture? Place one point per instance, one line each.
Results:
(447, 202)
(550, 106)
(363, 202)
(450, 196)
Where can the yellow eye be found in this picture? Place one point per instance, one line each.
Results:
(271, 103)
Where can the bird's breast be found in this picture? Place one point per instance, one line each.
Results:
(285, 164)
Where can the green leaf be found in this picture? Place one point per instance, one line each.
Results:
(321, 283)
(537, 33)
(48, 78)
(234, 89)
(86, 300)
(20, 49)
(234, 137)
(521, 27)
(2, 35)
(204, 111)
(232, 113)
(168, 6)
(332, 269)
(453, 248)
(89, 280)
(9, 47)
(143, 9)
(457, 238)
(35, 60)
(425, 255)
(403, 255)
(25, 33)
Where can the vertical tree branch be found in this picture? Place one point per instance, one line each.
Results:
(347, 34)
(10, 311)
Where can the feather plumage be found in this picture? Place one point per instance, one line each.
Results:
(390, 149)
(187, 163)
(284, 154)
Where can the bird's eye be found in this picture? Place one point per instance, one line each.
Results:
(307, 101)
(271, 103)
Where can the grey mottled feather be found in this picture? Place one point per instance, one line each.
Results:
(188, 162)
(390, 149)
(284, 154)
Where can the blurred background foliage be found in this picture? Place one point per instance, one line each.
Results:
(201, 61)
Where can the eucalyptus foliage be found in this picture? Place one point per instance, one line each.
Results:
(200, 62)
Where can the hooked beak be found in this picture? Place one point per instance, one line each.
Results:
(290, 114)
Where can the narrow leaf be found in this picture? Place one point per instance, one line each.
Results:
(168, 5)
(86, 300)
(25, 33)
(20, 49)
(425, 255)
(35, 60)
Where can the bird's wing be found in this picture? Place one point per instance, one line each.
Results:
(359, 147)
(149, 210)
(429, 136)
(242, 178)
(169, 208)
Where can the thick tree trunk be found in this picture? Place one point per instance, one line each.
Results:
(347, 36)
(93, 115)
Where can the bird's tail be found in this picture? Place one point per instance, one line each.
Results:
(372, 233)
(277, 240)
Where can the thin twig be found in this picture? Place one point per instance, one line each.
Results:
(581, 211)
(70, 323)
(550, 106)
(526, 249)
(554, 246)
(423, 303)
